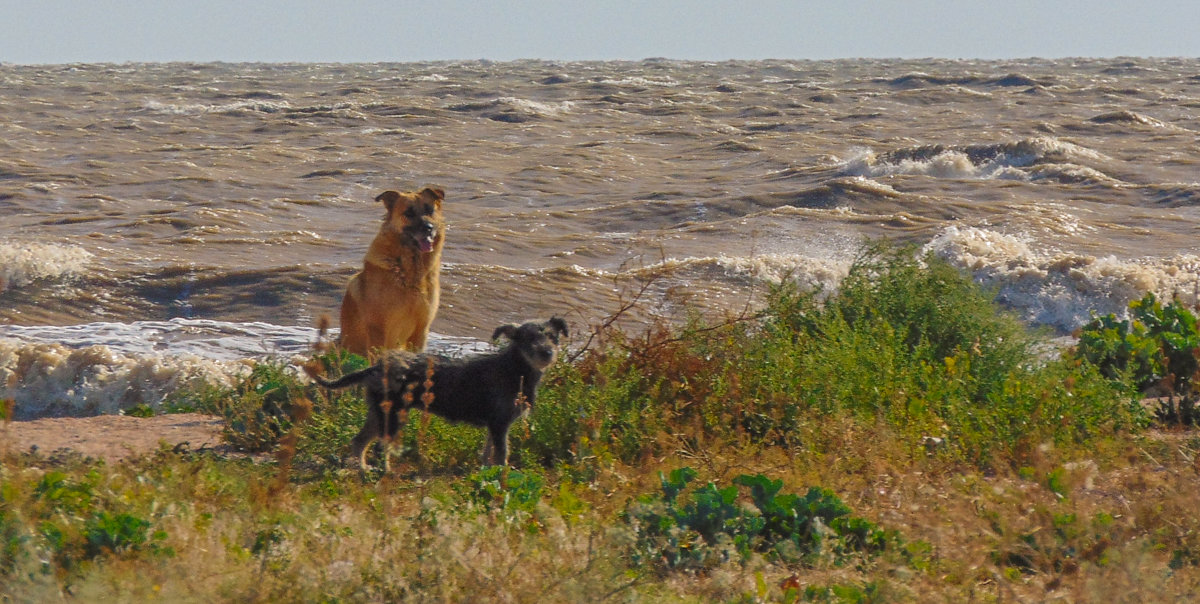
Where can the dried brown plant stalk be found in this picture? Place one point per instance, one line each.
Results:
(323, 345)
(629, 302)
(301, 411)
(426, 400)
(524, 405)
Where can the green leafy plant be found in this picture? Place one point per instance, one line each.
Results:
(713, 525)
(63, 494)
(497, 487)
(116, 533)
(1155, 350)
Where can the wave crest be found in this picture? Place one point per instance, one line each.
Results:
(998, 161)
(52, 380)
(24, 263)
(1061, 289)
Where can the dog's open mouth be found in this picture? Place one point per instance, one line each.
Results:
(425, 244)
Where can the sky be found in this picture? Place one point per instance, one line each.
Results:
(61, 31)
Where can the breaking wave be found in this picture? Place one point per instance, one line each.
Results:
(46, 379)
(512, 109)
(1061, 289)
(1128, 117)
(24, 263)
(1022, 160)
(809, 272)
(242, 107)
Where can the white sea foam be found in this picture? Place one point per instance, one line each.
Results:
(256, 105)
(22, 263)
(861, 184)
(1008, 161)
(809, 272)
(946, 164)
(214, 340)
(640, 81)
(99, 368)
(1060, 289)
(537, 108)
(1071, 174)
(52, 379)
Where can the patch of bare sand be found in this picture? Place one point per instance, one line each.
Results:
(112, 437)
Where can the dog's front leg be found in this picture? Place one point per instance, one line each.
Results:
(497, 445)
(486, 458)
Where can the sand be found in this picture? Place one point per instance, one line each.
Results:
(112, 437)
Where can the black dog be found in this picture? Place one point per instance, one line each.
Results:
(490, 390)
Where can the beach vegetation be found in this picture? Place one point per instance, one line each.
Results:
(902, 438)
(1154, 349)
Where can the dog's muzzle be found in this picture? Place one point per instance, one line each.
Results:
(426, 236)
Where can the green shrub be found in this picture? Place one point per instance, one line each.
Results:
(264, 404)
(914, 343)
(142, 410)
(713, 525)
(908, 344)
(896, 312)
(61, 494)
(605, 400)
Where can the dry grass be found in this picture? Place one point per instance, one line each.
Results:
(1122, 527)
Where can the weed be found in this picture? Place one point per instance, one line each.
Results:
(116, 533)
(12, 540)
(1155, 350)
(142, 410)
(714, 525)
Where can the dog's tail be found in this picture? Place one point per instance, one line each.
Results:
(346, 380)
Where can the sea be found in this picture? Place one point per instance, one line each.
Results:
(162, 223)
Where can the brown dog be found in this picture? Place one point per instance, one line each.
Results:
(392, 301)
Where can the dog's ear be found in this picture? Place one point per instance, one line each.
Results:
(509, 331)
(389, 199)
(433, 194)
(559, 325)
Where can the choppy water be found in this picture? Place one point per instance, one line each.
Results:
(241, 196)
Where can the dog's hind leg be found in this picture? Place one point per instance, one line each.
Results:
(372, 429)
(353, 335)
(359, 447)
